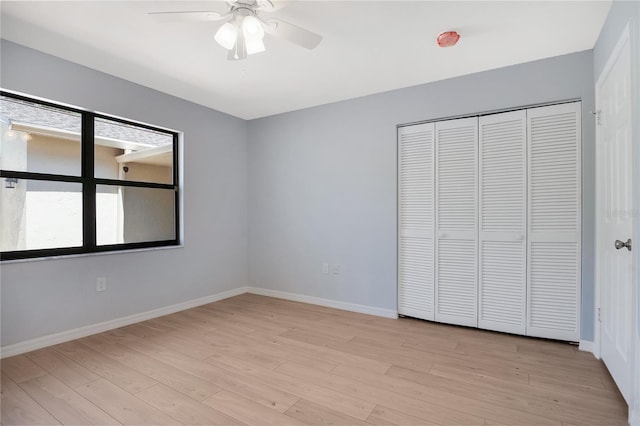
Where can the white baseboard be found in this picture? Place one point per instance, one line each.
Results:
(77, 333)
(345, 306)
(586, 346)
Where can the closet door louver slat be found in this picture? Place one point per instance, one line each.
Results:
(456, 221)
(554, 277)
(415, 221)
(502, 208)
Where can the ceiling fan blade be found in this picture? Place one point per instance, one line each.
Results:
(293, 33)
(189, 16)
(271, 5)
(265, 5)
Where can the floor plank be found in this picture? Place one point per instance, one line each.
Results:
(64, 403)
(257, 360)
(184, 409)
(247, 411)
(553, 405)
(119, 374)
(343, 402)
(375, 392)
(68, 372)
(236, 381)
(18, 408)
(125, 407)
(384, 416)
(190, 385)
(20, 368)
(315, 414)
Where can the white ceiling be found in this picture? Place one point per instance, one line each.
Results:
(368, 46)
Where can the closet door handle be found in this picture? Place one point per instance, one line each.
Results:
(621, 244)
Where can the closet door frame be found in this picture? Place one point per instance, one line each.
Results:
(529, 237)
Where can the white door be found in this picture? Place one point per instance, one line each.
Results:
(456, 287)
(615, 216)
(502, 208)
(554, 213)
(415, 221)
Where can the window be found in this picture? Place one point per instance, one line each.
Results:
(74, 181)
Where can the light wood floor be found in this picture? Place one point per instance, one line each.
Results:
(261, 361)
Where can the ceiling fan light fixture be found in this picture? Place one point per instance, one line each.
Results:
(252, 28)
(254, 45)
(243, 32)
(227, 35)
(239, 50)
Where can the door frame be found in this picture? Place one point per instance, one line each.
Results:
(625, 38)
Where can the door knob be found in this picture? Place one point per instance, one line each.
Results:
(620, 244)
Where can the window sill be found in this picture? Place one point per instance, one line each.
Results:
(101, 253)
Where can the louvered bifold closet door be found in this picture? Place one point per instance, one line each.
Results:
(502, 248)
(553, 300)
(416, 221)
(456, 221)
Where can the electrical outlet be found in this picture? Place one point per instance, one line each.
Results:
(325, 268)
(101, 284)
(335, 270)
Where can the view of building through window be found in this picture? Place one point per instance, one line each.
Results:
(44, 209)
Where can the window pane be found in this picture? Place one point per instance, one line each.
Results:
(129, 152)
(127, 214)
(38, 138)
(40, 214)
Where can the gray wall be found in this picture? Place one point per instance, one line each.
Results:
(322, 188)
(621, 13)
(322, 181)
(48, 296)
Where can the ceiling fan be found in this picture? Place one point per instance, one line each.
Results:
(243, 32)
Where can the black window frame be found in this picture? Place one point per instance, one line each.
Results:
(89, 183)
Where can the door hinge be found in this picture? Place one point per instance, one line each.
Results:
(598, 313)
(599, 117)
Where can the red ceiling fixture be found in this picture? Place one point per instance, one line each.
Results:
(448, 38)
